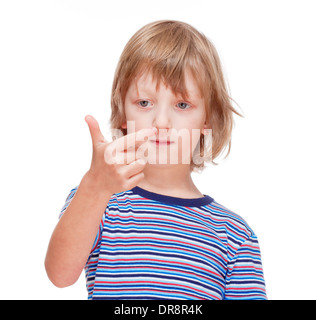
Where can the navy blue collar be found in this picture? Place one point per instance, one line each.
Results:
(186, 202)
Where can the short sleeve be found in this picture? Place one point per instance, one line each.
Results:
(65, 206)
(244, 277)
(68, 200)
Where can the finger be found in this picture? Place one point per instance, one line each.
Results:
(95, 132)
(133, 168)
(132, 139)
(135, 180)
(123, 158)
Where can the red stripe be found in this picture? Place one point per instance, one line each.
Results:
(143, 266)
(163, 261)
(198, 212)
(178, 241)
(149, 289)
(181, 249)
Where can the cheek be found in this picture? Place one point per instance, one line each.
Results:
(188, 138)
(136, 122)
(128, 113)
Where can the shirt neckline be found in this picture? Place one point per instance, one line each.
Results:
(186, 202)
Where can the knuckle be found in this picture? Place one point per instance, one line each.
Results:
(120, 177)
(108, 150)
(107, 153)
(141, 162)
(141, 175)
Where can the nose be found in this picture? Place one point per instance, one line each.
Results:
(162, 121)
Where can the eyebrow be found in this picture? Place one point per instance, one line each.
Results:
(192, 97)
(145, 90)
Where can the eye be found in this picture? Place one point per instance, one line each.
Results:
(144, 103)
(183, 105)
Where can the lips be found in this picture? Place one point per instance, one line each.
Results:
(161, 142)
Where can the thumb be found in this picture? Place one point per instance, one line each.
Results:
(95, 132)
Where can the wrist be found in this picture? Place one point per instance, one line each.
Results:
(89, 184)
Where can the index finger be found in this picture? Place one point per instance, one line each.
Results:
(130, 140)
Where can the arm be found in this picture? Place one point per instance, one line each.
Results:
(73, 237)
(244, 278)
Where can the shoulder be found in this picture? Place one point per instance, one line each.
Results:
(72, 193)
(125, 198)
(237, 229)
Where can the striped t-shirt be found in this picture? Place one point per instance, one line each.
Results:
(153, 246)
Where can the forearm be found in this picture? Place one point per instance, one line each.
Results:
(73, 237)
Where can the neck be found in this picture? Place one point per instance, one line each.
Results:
(172, 180)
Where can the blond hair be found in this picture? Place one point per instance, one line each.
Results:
(167, 48)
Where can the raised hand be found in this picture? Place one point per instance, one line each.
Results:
(120, 172)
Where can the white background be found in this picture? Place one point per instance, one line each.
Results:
(57, 60)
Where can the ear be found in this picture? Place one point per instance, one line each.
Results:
(124, 126)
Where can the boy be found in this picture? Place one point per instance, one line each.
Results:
(136, 222)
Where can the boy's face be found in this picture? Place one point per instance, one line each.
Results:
(179, 122)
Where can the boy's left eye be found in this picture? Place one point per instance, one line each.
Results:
(183, 105)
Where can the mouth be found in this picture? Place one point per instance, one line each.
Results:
(161, 142)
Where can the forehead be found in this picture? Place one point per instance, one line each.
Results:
(188, 88)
